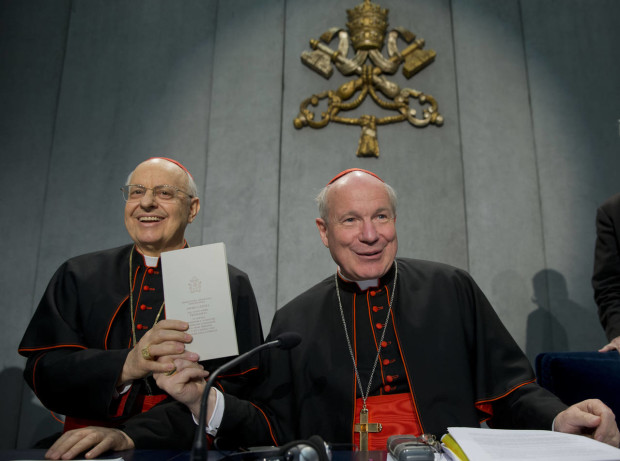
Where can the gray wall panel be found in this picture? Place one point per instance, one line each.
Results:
(422, 164)
(308, 157)
(121, 101)
(241, 199)
(501, 177)
(31, 47)
(115, 110)
(575, 98)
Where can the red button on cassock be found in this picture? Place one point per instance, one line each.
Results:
(379, 326)
(150, 270)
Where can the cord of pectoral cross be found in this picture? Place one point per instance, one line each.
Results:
(346, 332)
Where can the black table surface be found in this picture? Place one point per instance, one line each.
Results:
(128, 455)
(176, 455)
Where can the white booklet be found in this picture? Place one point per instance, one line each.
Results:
(197, 290)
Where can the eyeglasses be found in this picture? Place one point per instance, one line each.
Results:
(135, 192)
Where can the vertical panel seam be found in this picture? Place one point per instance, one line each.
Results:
(279, 204)
(534, 143)
(51, 148)
(37, 269)
(536, 164)
(208, 121)
(460, 136)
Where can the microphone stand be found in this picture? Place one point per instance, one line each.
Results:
(200, 448)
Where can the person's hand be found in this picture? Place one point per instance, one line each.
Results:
(613, 344)
(591, 418)
(156, 350)
(186, 384)
(100, 439)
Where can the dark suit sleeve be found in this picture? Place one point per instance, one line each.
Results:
(606, 275)
(528, 407)
(64, 370)
(76, 383)
(170, 425)
(166, 426)
(269, 418)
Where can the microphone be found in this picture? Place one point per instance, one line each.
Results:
(284, 341)
(312, 449)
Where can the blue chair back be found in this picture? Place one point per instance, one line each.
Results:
(577, 376)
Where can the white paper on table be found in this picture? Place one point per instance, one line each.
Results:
(523, 445)
(197, 290)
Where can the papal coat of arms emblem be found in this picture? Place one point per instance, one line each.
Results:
(366, 33)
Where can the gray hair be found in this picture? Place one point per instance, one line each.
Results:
(321, 200)
(191, 184)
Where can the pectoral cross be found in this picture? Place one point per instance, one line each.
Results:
(364, 427)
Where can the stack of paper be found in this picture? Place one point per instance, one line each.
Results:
(475, 444)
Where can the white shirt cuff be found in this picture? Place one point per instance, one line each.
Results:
(216, 418)
(124, 390)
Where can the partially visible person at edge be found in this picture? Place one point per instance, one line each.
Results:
(606, 274)
(410, 344)
(100, 330)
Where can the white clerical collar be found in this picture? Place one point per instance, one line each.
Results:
(151, 261)
(362, 284)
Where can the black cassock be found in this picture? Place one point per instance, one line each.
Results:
(81, 333)
(448, 347)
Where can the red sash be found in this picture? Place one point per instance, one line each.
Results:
(395, 413)
(144, 402)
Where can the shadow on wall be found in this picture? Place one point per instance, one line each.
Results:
(559, 324)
